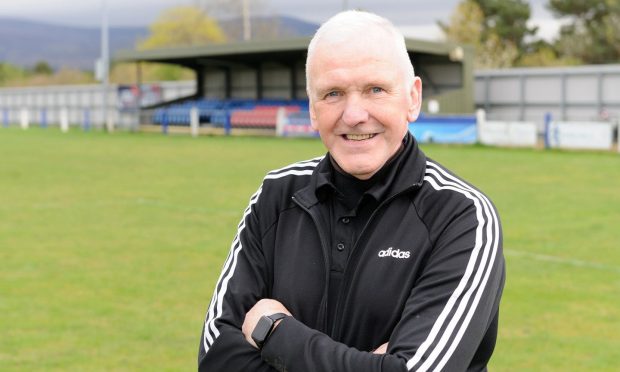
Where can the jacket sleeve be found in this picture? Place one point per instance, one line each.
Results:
(446, 316)
(241, 284)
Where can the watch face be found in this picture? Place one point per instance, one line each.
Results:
(262, 330)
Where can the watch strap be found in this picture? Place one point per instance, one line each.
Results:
(260, 339)
(274, 317)
(277, 316)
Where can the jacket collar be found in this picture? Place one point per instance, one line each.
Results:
(409, 173)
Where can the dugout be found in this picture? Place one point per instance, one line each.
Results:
(274, 70)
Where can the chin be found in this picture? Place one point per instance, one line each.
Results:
(361, 171)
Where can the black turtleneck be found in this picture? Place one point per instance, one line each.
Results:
(351, 202)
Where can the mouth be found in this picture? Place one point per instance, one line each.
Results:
(358, 137)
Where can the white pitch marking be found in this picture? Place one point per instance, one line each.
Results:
(562, 260)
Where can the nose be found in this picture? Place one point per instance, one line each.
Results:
(354, 112)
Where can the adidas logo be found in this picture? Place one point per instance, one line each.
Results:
(396, 253)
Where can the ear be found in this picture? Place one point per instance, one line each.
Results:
(416, 100)
(313, 121)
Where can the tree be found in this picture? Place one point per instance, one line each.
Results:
(9, 73)
(466, 24)
(507, 19)
(63, 76)
(15, 76)
(469, 25)
(542, 53)
(42, 68)
(183, 26)
(126, 72)
(593, 35)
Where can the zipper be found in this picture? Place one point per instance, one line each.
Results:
(352, 264)
(322, 316)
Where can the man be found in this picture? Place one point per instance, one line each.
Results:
(372, 258)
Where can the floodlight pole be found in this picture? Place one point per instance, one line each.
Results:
(247, 27)
(105, 63)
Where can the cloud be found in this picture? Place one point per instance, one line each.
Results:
(548, 28)
(87, 13)
(430, 32)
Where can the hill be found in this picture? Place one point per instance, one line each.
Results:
(26, 42)
(269, 27)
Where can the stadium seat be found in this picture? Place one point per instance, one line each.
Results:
(244, 113)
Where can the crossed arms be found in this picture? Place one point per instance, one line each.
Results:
(444, 319)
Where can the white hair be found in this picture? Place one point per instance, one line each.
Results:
(351, 25)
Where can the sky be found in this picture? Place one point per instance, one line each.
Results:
(416, 18)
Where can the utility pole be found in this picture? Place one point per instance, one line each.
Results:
(105, 65)
(247, 27)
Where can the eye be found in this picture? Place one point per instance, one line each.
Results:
(376, 90)
(332, 95)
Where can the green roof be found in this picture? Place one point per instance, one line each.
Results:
(249, 52)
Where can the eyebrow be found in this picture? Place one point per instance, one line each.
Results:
(328, 88)
(377, 83)
(322, 90)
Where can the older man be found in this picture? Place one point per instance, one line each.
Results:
(371, 258)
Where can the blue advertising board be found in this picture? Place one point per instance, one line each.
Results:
(445, 129)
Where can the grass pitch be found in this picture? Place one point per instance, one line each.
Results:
(110, 246)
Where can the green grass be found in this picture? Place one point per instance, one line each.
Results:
(110, 246)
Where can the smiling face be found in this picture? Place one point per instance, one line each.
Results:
(361, 101)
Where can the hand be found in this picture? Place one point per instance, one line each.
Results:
(381, 349)
(263, 307)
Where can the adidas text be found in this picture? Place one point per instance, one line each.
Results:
(396, 253)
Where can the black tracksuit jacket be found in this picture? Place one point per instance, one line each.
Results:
(426, 275)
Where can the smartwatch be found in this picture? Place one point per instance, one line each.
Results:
(264, 327)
